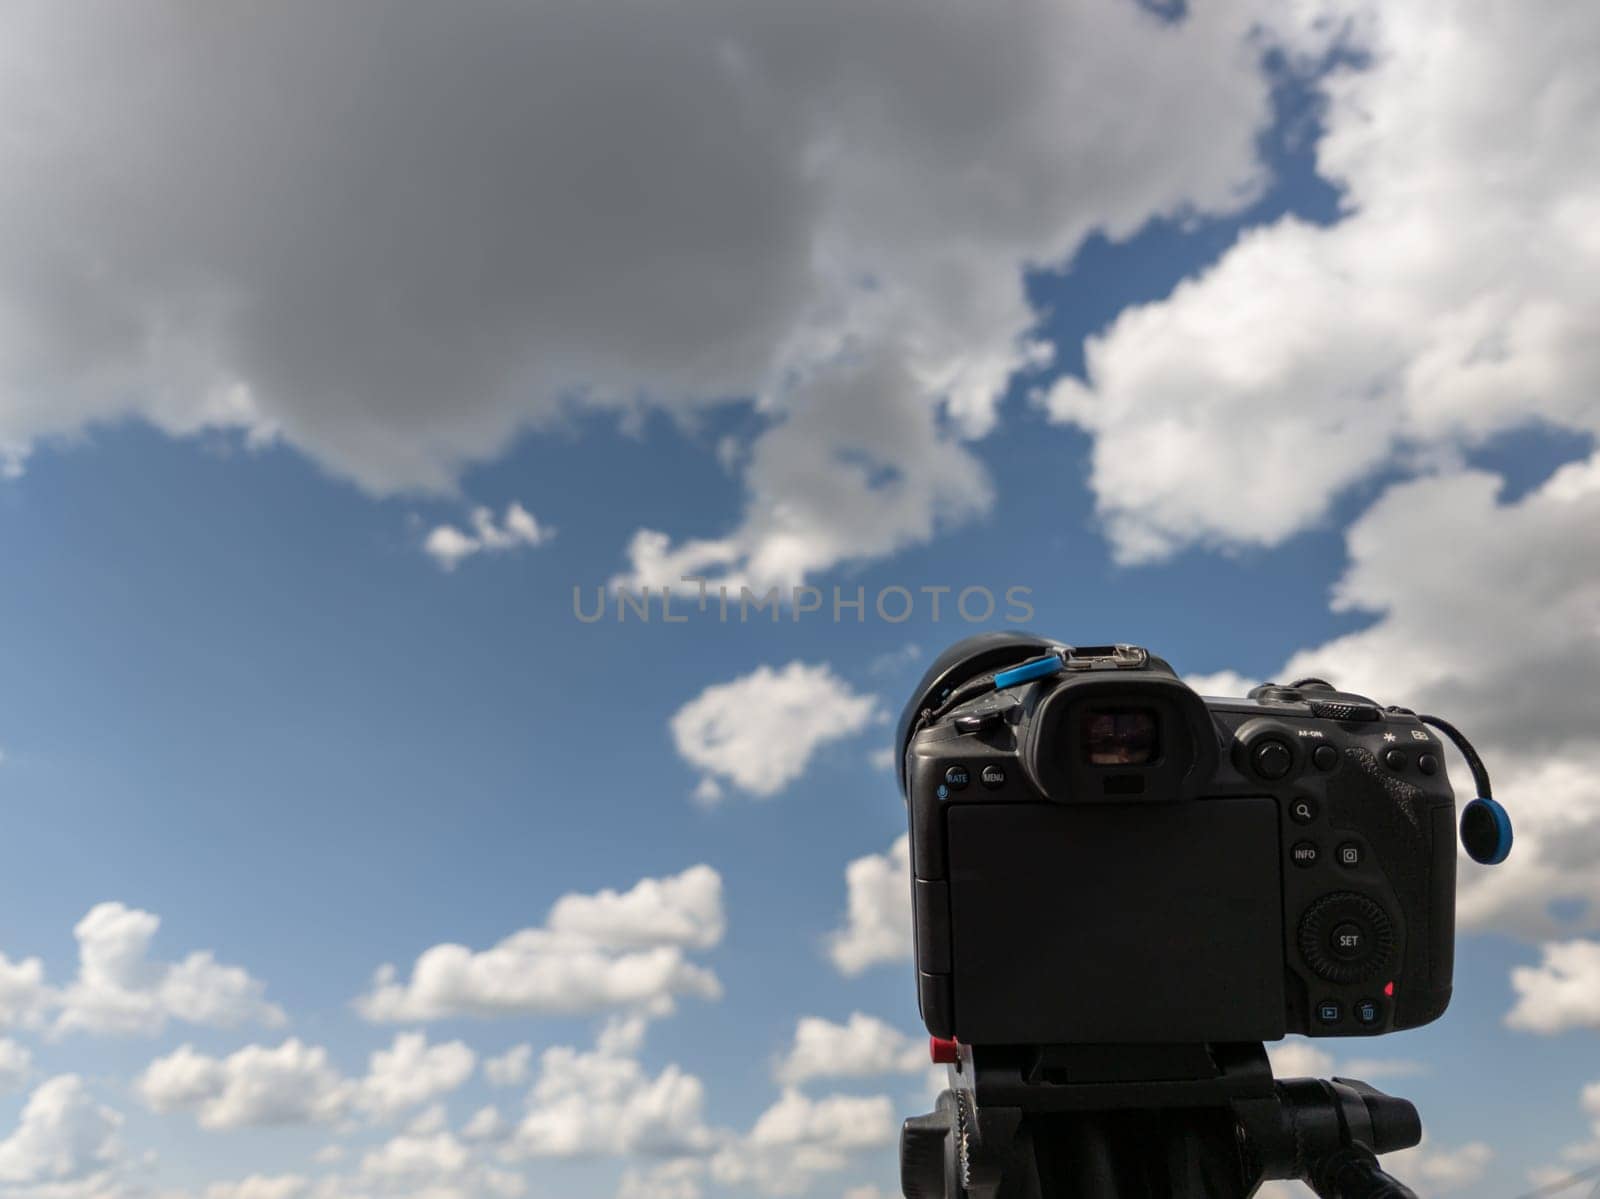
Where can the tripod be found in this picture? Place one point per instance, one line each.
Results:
(1148, 1122)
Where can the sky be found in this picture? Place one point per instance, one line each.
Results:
(358, 362)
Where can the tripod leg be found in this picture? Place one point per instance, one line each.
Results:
(1354, 1173)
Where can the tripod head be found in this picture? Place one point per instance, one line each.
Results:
(1148, 1122)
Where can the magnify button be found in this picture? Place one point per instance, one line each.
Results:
(1303, 811)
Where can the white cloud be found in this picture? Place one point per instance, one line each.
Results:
(837, 227)
(423, 1165)
(292, 1084)
(1297, 1057)
(604, 1102)
(296, 1083)
(486, 1125)
(1560, 993)
(861, 1047)
(1283, 1190)
(1221, 682)
(428, 1121)
(413, 1158)
(759, 731)
(1585, 1152)
(1368, 1069)
(678, 1179)
(24, 997)
(1437, 1170)
(16, 1065)
(799, 1137)
(510, 1069)
(120, 989)
(412, 1072)
(1579, 1156)
(683, 910)
(63, 1135)
(449, 546)
(261, 1186)
(594, 952)
(1451, 300)
(878, 925)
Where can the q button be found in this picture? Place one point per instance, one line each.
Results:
(1302, 810)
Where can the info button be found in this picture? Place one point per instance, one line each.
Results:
(1304, 853)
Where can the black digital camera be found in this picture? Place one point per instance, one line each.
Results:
(1102, 856)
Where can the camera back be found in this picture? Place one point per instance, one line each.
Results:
(1101, 855)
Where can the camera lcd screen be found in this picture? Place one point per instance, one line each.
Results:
(1120, 736)
(1126, 924)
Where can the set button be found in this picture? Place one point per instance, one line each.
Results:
(1345, 937)
(1348, 941)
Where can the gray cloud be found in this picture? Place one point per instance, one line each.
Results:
(396, 235)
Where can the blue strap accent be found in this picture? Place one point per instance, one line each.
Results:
(1039, 668)
(1486, 831)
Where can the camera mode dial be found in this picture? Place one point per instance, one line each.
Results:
(1346, 937)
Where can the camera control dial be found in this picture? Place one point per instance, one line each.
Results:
(1345, 937)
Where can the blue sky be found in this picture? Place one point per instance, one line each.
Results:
(239, 694)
